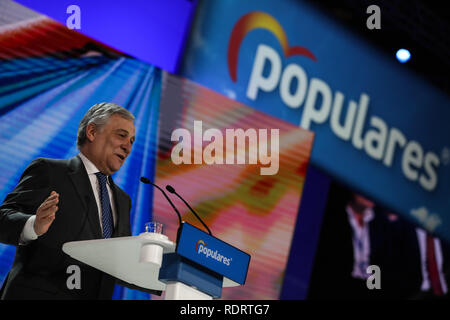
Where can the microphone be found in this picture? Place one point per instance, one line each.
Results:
(172, 190)
(147, 181)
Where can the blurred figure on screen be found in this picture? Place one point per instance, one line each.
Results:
(420, 263)
(369, 231)
(434, 266)
(353, 237)
(57, 201)
(360, 213)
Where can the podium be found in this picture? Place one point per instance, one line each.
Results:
(197, 267)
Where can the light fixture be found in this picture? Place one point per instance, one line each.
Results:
(403, 55)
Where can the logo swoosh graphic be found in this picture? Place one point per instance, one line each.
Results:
(259, 20)
(199, 242)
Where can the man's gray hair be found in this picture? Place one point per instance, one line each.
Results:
(99, 114)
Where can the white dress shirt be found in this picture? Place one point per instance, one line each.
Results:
(361, 242)
(28, 233)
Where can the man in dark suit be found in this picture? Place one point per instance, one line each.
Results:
(352, 238)
(57, 201)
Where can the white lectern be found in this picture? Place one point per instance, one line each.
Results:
(140, 259)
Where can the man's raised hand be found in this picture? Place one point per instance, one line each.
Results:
(45, 214)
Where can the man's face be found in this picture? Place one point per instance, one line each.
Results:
(111, 144)
(360, 203)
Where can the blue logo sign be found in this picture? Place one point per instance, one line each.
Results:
(212, 253)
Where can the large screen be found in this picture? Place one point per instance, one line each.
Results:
(252, 209)
(49, 77)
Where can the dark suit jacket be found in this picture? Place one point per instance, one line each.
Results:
(39, 270)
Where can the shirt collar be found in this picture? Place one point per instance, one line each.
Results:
(368, 214)
(90, 167)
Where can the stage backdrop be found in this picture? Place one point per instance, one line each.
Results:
(256, 213)
(49, 77)
(152, 31)
(379, 128)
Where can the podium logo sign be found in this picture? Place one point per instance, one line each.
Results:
(202, 248)
(212, 253)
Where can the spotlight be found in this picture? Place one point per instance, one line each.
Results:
(403, 55)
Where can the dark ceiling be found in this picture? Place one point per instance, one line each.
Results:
(419, 26)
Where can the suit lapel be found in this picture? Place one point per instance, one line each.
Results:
(85, 193)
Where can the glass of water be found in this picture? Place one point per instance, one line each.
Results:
(154, 227)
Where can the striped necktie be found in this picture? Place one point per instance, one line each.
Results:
(107, 218)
